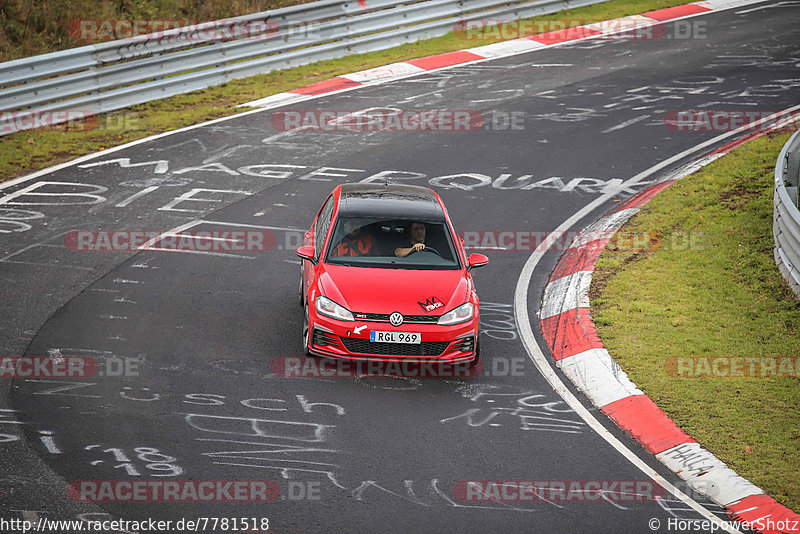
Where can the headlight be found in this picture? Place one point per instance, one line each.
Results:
(461, 314)
(326, 306)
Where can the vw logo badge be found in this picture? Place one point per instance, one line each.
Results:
(396, 319)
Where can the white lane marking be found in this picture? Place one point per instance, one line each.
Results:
(626, 123)
(209, 238)
(136, 195)
(258, 226)
(176, 230)
(543, 364)
(203, 252)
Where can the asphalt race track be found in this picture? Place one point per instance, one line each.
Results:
(202, 332)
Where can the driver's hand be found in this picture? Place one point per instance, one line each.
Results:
(418, 246)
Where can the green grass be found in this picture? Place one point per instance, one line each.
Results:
(718, 293)
(28, 151)
(29, 28)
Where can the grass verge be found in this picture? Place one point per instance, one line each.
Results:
(30, 28)
(711, 289)
(31, 150)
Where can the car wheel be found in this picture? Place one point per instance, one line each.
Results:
(305, 331)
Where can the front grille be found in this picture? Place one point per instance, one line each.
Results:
(367, 347)
(384, 317)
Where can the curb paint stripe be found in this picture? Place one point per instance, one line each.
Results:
(581, 258)
(643, 197)
(325, 86)
(566, 293)
(444, 60)
(599, 377)
(766, 510)
(569, 333)
(700, 468)
(668, 13)
(383, 72)
(647, 423)
(506, 48)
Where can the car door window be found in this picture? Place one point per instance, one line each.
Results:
(321, 230)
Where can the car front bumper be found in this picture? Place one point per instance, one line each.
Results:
(439, 343)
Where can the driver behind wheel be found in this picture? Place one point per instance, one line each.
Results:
(416, 234)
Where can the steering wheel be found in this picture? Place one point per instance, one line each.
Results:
(426, 249)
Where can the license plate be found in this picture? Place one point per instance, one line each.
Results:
(411, 338)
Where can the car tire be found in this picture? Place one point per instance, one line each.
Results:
(300, 291)
(306, 331)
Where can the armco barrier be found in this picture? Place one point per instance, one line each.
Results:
(786, 216)
(117, 74)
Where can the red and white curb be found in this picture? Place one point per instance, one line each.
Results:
(512, 47)
(570, 334)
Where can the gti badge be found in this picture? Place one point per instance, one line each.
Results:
(396, 319)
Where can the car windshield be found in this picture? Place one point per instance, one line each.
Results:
(389, 243)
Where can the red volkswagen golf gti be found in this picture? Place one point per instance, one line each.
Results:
(385, 277)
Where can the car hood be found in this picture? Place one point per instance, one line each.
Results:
(410, 292)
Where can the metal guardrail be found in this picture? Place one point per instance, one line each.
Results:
(113, 75)
(786, 215)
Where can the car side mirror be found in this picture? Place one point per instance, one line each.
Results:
(307, 253)
(477, 260)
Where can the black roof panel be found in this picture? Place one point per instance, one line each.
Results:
(391, 201)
